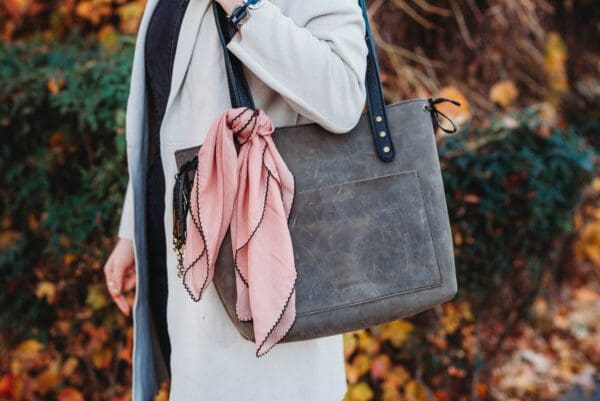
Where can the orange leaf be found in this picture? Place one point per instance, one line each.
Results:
(47, 290)
(350, 343)
(504, 93)
(380, 366)
(69, 366)
(362, 362)
(414, 391)
(54, 86)
(397, 332)
(367, 342)
(57, 140)
(49, 378)
(101, 359)
(471, 198)
(163, 395)
(441, 395)
(69, 394)
(107, 36)
(130, 15)
(28, 350)
(7, 386)
(458, 114)
(360, 392)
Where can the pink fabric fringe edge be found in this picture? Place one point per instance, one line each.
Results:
(252, 194)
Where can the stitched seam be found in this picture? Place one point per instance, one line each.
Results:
(370, 300)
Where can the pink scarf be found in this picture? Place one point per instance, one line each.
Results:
(252, 193)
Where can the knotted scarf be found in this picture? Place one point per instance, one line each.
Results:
(251, 193)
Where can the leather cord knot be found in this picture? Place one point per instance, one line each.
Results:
(435, 113)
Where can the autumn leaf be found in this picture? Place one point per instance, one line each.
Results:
(397, 332)
(359, 392)
(102, 358)
(7, 386)
(362, 362)
(458, 114)
(17, 8)
(414, 391)
(441, 395)
(398, 376)
(162, 395)
(380, 366)
(350, 344)
(69, 366)
(49, 378)
(28, 350)
(69, 394)
(504, 93)
(555, 59)
(9, 238)
(57, 140)
(47, 290)
(130, 15)
(472, 198)
(367, 342)
(97, 296)
(55, 85)
(69, 258)
(108, 37)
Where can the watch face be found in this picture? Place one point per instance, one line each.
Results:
(255, 5)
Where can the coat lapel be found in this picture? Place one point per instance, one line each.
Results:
(185, 45)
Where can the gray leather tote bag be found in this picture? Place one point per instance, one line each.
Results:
(369, 225)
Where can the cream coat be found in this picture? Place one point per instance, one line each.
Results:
(305, 61)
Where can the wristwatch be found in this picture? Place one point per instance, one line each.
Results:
(240, 13)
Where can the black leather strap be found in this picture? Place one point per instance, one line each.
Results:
(239, 91)
(240, 95)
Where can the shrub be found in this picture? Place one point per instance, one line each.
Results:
(62, 163)
(511, 189)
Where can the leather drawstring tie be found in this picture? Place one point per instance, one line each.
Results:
(435, 113)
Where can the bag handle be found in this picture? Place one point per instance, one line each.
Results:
(240, 95)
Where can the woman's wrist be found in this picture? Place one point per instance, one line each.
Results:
(229, 5)
(239, 11)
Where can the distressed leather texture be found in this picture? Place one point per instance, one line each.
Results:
(372, 239)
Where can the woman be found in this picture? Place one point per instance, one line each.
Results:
(305, 61)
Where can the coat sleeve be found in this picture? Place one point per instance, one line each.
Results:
(316, 61)
(126, 223)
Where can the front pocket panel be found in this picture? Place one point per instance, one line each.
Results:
(373, 238)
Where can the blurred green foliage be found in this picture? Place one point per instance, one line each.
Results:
(62, 161)
(511, 189)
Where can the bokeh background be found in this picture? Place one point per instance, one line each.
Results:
(522, 184)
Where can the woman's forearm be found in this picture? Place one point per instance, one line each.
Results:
(317, 61)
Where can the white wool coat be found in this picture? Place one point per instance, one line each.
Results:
(305, 61)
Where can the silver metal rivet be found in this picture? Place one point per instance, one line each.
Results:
(382, 133)
(378, 119)
(386, 149)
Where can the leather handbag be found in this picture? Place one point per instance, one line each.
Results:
(370, 229)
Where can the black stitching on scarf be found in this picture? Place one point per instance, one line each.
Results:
(198, 225)
(205, 247)
(239, 114)
(277, 322)
(259, 221)
(253, 118)
(286, 302)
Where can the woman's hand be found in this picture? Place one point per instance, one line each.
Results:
(120, 271)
